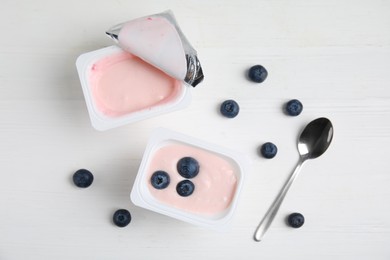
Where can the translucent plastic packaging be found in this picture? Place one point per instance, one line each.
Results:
(217, 185)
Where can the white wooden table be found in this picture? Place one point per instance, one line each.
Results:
(332, 55)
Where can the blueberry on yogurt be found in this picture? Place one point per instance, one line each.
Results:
(82, 178)
(160, 180)
(229, 108)
(257, 73)
(185, 188)
(268, 150)
(121, 217)
(293, 107)
(188, 167)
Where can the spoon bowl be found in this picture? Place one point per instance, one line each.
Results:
(312, 143)
(315, 138)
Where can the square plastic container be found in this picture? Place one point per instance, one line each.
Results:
(110, 104)
(217, 185)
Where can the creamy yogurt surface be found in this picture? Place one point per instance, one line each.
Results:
(215, 184)
(122, 83)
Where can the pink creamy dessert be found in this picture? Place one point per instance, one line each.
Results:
(122, 83)
(145, 76)
(215, 184)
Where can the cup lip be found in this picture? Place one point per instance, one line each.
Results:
(102, 122)
(140, 195)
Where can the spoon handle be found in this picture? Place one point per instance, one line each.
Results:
(271, 213)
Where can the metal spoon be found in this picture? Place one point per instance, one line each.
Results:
(312, 143)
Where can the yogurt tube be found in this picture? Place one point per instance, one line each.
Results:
(216, 187)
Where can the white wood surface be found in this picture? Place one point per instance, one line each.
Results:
(332, 55)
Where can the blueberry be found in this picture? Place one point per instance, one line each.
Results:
(257, 73)
(185, 188)
(188, 167)
(296, 220)
(160, 180)
(230, 108)
(268, 150)
(83, 178)
(121, 217)
(293, 107)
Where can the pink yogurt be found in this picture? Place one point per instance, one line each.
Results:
(122, 83)
(215, 185)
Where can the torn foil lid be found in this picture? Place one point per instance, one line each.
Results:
(158, 40)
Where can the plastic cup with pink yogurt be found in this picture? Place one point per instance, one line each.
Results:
(217, 184)
(147, 73)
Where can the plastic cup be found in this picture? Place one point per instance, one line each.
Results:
(217, 185)
(111, 104)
